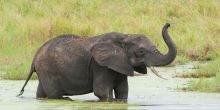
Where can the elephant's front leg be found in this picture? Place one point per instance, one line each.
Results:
(103, 92)
(121, 89)
(103, 83)
(103, 88)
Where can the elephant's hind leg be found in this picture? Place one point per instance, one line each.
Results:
(40, 91)
(53, 90)
(51, 86)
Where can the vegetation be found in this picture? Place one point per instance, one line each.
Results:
(26, 24)
(205, 84)
(90, 105)
(209, 77)
(207, 70)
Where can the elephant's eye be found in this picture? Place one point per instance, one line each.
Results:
(140, 52)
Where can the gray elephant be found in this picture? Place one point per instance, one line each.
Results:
(72, 65)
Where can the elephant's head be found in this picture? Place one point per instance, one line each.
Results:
(133, 52)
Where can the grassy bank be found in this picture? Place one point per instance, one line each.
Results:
(26, 24)
(205, 84)
(206, 77)
(203, 70)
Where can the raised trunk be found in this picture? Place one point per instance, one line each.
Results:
(161, 59)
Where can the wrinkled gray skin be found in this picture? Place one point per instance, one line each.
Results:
(70, 65)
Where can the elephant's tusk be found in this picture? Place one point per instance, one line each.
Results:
(156, 73)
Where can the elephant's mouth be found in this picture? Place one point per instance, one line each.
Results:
(143, 70)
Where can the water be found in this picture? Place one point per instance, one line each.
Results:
(145, 93)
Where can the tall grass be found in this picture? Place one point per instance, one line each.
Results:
(27, 24)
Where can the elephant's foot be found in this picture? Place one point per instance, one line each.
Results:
(121, 100)
(63, 98)
(113, 100)
(106, 100)
(67, 98)
(40, 92)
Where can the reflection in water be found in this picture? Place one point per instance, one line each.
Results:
(145, 92)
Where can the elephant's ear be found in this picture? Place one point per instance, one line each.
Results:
(113, 57)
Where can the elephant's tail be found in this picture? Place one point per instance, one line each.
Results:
(28, 78)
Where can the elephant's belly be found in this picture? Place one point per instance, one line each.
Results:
(77, 89)
(76, 84)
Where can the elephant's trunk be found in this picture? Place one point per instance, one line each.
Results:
(161, 59)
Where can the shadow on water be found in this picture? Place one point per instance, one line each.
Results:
(145, 92)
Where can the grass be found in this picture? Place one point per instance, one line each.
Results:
(203, 70)
(89, 105)
(14, 71)
(205, 84)
(26, 24)
(206, 77)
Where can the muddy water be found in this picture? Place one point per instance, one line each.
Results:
(146, 92)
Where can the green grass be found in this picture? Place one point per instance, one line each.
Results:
(203, 70)
(16, 71)
(85, 105)
(205, 84)
(26, 24)
(206, 77)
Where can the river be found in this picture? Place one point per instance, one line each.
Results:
(146, 92)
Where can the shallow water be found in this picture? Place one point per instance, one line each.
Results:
(145, 92)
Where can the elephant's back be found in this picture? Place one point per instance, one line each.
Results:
(44, 55)
(59, 39)
(54, 41)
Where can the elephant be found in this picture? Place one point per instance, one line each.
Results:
(72, 65)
